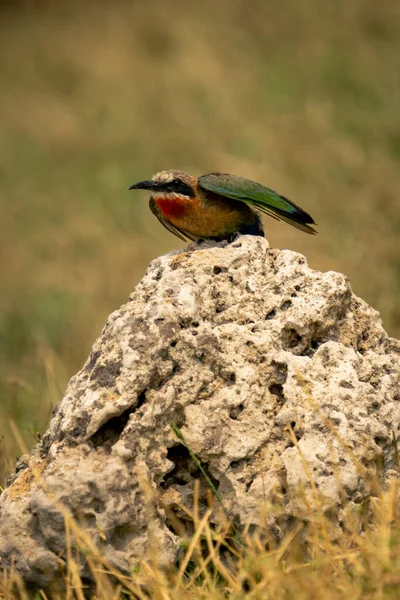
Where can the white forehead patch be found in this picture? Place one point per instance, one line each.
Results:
(169, 195)
(163, 177)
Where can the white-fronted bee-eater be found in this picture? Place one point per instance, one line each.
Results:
(217, 205)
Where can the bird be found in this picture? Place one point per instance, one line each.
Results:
(217, 206)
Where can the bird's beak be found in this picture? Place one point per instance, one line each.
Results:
(148, 184)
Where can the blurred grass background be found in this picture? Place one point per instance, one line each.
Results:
(302, 96)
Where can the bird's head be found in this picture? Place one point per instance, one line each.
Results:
(172, 183)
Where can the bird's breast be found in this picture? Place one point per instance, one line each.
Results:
(203, 219)
(174, 207)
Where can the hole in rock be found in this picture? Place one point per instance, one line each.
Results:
(285, 305)
(217, 270)
(235, 464)
(298, 434)
(270, 315)
(296, 339)
(291, 339)
(179, 475)
(110, 432)
(121, 535)
(235, 411)
(232, 377)
(184, 322)
(281, 371)
(141, 399)
(98, 505)
(319, 338)
(247, 585)
(346, 384)
(185, 469)
(313, 346)
(276, 389)
(380, 441)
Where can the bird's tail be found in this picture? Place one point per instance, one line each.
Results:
(284, 209)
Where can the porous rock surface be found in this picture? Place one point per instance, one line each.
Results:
(238, 345)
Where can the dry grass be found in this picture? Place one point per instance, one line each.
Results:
(95, 95)
(315, 560)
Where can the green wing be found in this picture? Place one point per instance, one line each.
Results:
(259, 196)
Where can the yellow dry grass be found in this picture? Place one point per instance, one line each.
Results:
(302, 96)
(359, 560)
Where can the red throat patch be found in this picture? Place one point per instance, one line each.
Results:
(172, 207)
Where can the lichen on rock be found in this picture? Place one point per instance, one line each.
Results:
(273, 372)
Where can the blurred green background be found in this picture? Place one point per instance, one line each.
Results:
(303, 96)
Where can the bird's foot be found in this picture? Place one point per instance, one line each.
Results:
(234, 237)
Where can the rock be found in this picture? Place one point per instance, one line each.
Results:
(273, 372)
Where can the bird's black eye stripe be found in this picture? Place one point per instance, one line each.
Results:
(178, 186)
